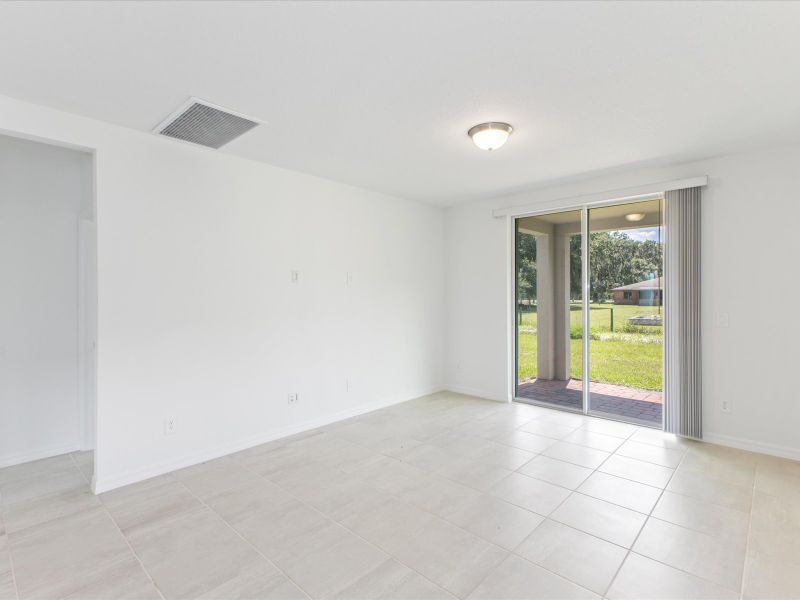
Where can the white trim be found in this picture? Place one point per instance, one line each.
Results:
(752, 445)
(586, 334)
(87, 330)
(664, 241)
(622, 195)
(482, 394)
(22, 135)
(17, 458)
(140, 474)
(511, 307)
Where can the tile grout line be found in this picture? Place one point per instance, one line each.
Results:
(513, 552)
(116, 525)
(545, 517)
(402, 500)
(749, 530)
(572, 492)
(83, 477)
(649, 517)
(597, 470)
(445, 477)
(10, 557)
(240, 536)
(425, 510)
(355, 533)
(451, 429)
(11, 565)
(457, 482)
(322, 430)
(639, 533)
(445, 430)
(395, 497)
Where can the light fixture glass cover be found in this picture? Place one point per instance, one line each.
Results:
(490, 136)
(634, 217)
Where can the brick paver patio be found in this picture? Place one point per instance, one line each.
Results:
(626, 402)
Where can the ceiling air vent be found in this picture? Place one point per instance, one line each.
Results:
(203, 123)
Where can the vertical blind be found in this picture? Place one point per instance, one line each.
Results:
(683, 390)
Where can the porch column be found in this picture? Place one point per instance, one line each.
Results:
(545, 309)
(561, 307)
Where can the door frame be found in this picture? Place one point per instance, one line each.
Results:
(513, 353)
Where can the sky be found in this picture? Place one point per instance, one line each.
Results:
(645, 233)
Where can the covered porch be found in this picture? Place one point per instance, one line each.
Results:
(619, 400)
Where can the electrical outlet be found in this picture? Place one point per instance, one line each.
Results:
(723, 320)
(169, 426)
(348, 385)
(725, 405)
(295, 276)
(293, 397)
(348, 278)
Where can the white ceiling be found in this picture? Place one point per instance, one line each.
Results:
(381, 94)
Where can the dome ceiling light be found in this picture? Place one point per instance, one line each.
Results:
(634, 217)
(490, 136)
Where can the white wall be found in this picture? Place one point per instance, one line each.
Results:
(198, 320)
(43, 192)
(750, 253)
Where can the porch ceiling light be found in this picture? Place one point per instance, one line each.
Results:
(490, 136)
(634, 217)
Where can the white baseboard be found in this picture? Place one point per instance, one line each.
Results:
(460, 389)
(16, 458)
(135, 475)
(752, 445)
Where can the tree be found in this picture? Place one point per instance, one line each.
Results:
(526, 267)
(616, 259)
(575, 250)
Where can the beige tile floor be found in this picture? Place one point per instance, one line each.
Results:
(441, 497)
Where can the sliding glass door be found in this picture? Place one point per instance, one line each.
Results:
(549, 309)
(613, 254)
(626, 311)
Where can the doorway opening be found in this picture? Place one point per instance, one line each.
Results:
(589, 310)
(48, 310)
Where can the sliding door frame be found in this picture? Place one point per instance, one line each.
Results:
(584, 207)
(585, 285)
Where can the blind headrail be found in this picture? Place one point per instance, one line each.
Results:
(621, 195)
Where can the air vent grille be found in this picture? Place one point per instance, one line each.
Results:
(201, 123)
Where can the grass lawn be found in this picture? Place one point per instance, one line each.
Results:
(629, 355)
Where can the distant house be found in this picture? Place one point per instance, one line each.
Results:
(643, 293)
